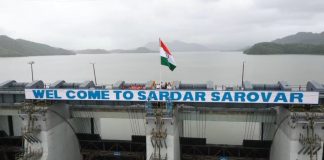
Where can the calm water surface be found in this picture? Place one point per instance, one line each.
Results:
(221, 67)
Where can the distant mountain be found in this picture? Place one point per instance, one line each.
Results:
(103, 51)
(178, 46)
(151, 47)
(303, 38)
(300, 43)
(92, 51)
(137, 50)
(18, 47)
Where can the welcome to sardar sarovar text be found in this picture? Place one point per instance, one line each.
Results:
(173, 95)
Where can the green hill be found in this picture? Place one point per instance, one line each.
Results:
(18, 47)
(303, 38)
(274, 48)
(300, 43)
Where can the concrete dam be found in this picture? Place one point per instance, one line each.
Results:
(167, 121)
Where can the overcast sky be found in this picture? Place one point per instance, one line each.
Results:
(108, 24)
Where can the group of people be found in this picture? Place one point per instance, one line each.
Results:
(163, 85)
(156, 85)
(136, 87)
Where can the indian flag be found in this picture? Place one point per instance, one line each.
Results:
(167, 58)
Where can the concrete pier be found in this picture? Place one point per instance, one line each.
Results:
(299, 135)
(48, 134)
(162, 135)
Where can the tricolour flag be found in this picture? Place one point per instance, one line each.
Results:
(167, 58)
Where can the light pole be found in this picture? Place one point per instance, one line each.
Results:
(31, 69)
(92, 120)
(94, 72)
(243, 69)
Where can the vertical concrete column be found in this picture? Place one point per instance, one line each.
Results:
(286, 144)
(52, 135)
(162, 142)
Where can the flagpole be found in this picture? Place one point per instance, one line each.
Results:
(160, 82)
(160, 68)
(160, 75)
(160, 65)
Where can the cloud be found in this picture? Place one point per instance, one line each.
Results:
(295, 6)
(79, 24)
